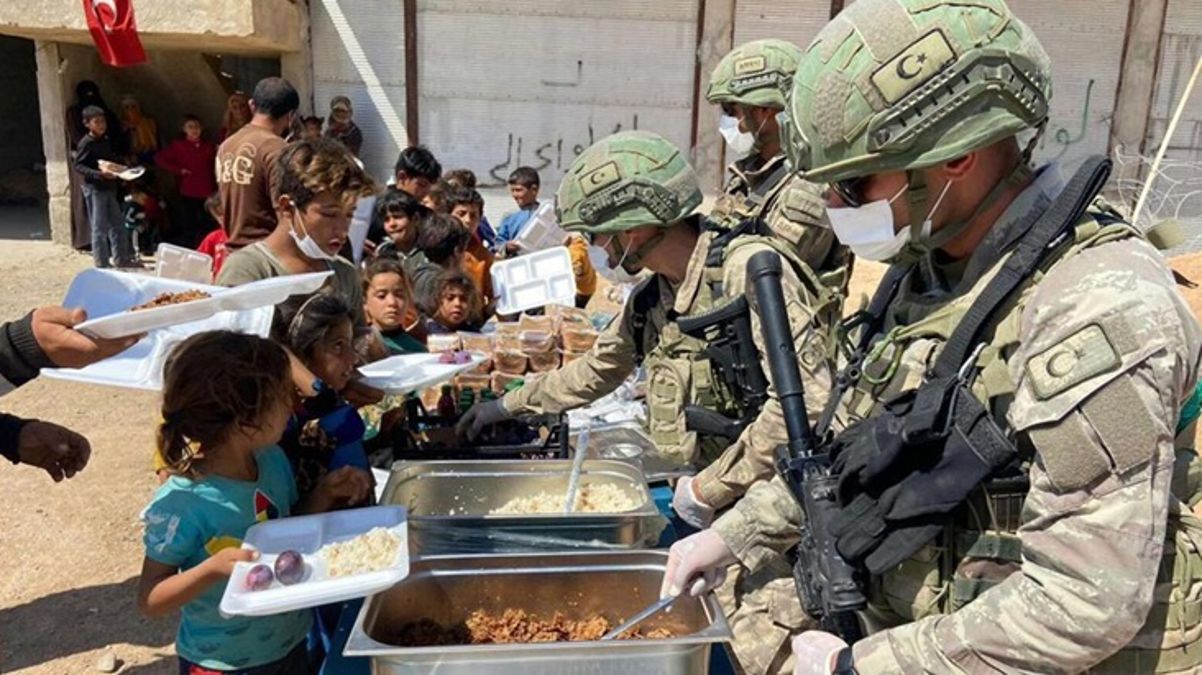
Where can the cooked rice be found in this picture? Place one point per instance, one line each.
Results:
(598, 498)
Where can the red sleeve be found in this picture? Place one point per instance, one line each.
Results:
(167, 158)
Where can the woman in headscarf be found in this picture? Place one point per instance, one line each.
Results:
(140, 130)
(237, 115)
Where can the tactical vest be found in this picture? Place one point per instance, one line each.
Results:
(979, 549)
(680, 374)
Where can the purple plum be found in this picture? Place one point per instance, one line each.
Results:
(259, 577)
(289, 567)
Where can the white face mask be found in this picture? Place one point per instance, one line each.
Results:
(311, 249)
(739, 142)
(616, 274)
(868, 229)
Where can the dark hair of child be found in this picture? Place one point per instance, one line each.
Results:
(91, 112)
(460, 178)
(275, 97)
(455, 279)
(312, 166)
(441, 237)
(524, 176)
(386, 266)
(418, 162)
(214, 383)
(465, 195)
(313, 119)
(192, 118)
(301, 325)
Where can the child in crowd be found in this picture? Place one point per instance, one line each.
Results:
(442, 241)
(109, 237)
(213, 245)
(454, 305)
(342, 127)
(416, 171)
(389, 307)
(326, 432)
(397, 220)
(192, 160)
(465, 178)
(467, 206)
(227, 398)
(312, 126)
(316, 186)
(523, 187)
(237, 115)
(436, 198)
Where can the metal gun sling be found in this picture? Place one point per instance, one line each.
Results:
(904, 471)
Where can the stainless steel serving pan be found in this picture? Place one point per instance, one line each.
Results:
(579, 585)
(627, 441)
(450, 504)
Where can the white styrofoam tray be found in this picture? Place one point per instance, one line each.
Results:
(306, 535)
(406, 373)
(107, 295)
(177, 262)
(534, 280)
(542, 231)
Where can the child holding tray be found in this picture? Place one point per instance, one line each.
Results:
(227, 398)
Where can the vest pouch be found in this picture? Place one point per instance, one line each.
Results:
(668, 382)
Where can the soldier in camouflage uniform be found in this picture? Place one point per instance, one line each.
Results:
(909, 110)
(634, 195)
(750, 84)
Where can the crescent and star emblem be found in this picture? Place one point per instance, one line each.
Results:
(907, 74)
(107, 18)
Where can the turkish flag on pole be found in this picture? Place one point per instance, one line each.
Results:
(114, 31)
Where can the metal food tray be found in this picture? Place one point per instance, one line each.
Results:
(628, 442)
(614, 584)
(449, 504)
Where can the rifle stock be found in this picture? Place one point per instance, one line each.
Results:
(829, 587)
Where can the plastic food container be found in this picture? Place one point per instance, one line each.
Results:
(542, 231)
(107, 296)
(570, 356)
(184, 264)
(537, 341)
(534, 280)
(306, 535)
(476, 342)
(443, 342)
(529, 322)
(579, 339)
(404, 373)
(509, 362)
(478, 383)
(501, 380)
(541, 362)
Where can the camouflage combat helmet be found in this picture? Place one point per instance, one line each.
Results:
(624, 181)
(758, 73)
(908, 84)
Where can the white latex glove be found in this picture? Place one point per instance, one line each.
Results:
(479, 416)
(814, 652)
(703, 555)
(689, 506)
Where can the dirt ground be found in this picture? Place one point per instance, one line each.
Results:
(70, 552)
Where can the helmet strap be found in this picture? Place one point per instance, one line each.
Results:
(635, 258)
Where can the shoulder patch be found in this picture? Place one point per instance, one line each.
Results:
(1079, 357)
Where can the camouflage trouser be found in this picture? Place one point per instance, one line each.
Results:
(764, 614)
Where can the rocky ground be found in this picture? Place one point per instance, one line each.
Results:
(71, 552)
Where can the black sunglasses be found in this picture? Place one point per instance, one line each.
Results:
(851, 190)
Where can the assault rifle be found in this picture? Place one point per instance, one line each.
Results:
(829, 587)
(731, 350)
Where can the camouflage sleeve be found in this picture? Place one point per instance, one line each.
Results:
(588, 378)
(798, 215)
(1108, 353)
(762, 525)
(751, 457)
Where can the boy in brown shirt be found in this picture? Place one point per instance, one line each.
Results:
(246, 163)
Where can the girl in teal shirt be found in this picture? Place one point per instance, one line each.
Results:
(226, 400)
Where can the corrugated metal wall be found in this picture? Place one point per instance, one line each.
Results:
(359, 51)
(535, 82)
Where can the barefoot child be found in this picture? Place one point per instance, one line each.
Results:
(226, 400)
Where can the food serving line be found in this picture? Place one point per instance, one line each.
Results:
(468, 546)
